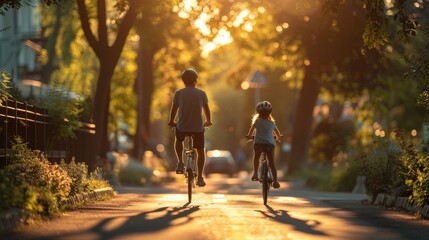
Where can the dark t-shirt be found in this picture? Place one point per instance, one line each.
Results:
(190, 101)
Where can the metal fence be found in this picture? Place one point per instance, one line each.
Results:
(32, 125)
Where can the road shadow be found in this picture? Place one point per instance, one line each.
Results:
(405, 225)
(145, 222)
(302, 225)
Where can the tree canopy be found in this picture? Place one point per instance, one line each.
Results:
(7, 5)
(334, 51)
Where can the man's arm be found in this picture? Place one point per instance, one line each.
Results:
(173, 113)
(207, 113)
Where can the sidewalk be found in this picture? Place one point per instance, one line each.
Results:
(389, 201)
(361, 200)
(10, 219)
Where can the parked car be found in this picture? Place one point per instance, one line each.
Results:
(219, 161)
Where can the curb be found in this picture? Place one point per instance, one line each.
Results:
(11, 218)
(401, 202)
(84, 197)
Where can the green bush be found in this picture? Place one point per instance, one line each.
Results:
(315, 176)
(4, 86)
(78, 173)
(34, 184)
(96, 182)
(395, 166)
(63, 112)
(416, 169)
(343, 177)
(382, 168)
(330, 137)
(135, 174)
(82, 180)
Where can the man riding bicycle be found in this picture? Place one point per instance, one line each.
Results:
(190, 103)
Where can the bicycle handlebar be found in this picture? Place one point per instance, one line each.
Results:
(174, 126)
(251, 138)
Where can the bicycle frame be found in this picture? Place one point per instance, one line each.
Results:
(263, 160)
(190, 164)
(264, 174)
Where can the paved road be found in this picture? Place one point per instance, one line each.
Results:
(229, 209)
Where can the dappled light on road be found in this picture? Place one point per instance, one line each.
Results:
(219, 198)
(175, 197)
(292, 200)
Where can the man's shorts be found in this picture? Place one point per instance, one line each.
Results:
(197, 138)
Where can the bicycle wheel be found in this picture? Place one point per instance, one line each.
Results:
(264, 182)
(190, 182)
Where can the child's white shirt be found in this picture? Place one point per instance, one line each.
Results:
(264, 131)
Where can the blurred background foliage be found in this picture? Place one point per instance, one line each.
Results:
(262, 39)
(341, 74)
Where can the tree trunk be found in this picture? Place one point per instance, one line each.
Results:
(144, 89)
(108, 57)
(303, 121)
(50, 45)
(101, 106)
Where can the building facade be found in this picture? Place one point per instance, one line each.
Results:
(20, 43)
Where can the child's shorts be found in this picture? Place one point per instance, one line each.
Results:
(262, 147)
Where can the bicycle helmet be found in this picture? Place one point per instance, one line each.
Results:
(189, 76)
(264, 106)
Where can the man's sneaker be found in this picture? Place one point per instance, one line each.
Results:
(276, 184)
(180, 168)
(201, 182)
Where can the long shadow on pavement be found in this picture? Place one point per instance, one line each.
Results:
(282, 216)
(376, 216)
(151, 221)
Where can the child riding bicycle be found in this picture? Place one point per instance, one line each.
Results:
(264, 132)
(190, 102)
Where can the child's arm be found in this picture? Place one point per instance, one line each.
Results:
(251, 131)
(277, 134)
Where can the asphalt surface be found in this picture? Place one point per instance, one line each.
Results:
(228, 208)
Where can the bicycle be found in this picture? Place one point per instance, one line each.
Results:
(265, 174)
(190, 164)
